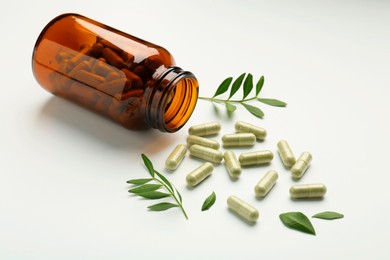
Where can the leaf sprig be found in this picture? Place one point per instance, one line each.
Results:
(247, 89)
(143, 189)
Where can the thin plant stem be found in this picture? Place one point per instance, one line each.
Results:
(228, 100)
(173, 196)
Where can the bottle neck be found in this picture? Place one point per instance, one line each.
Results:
(171, 100)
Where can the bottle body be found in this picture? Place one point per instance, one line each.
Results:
(131, 81)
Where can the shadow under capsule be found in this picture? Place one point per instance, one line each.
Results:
(249, 223)
(307, 199)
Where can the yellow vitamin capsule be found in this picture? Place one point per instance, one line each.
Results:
(194, 139)
(306, 191)
(258, 157)
(211, 128)
(206, 153)
(286, 154)
(266, 183)
(199, 174)
(241, 139)
(232, 165)
(243, 209)
(243, 127)
(174, 159)
(300, 167)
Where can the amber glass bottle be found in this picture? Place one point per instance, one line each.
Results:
(129, 80)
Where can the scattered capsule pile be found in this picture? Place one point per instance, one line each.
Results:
(201, 147)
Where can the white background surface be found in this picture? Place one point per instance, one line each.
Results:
(63, 191)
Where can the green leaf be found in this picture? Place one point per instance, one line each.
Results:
(153, 195)
(248, 85)
(297, 221)
(162, 206)
(259, 85)
(148, 164)
(235, 87)
(165, 180)
(272, 102)
(328, 215)
(145, 188)
(210, 200)
(223, 87)
(230, 107)
(139, 181)
(179, 195)
(254, 110)
(236, 84)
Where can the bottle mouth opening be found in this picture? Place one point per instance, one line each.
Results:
(180, 102)
(171, 101)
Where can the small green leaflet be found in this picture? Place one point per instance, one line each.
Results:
(297, 221)
(272, 102)
(210, 200)
(248, 85)
(162, 206)
(179, 195)
(148, 164)
(328, 215)
(164, 180)
(139, 181)
(223, 87)
(154, 195)
(259, 85)
(236, 85)
(254, 110)
(230, 107)
(145, 188)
